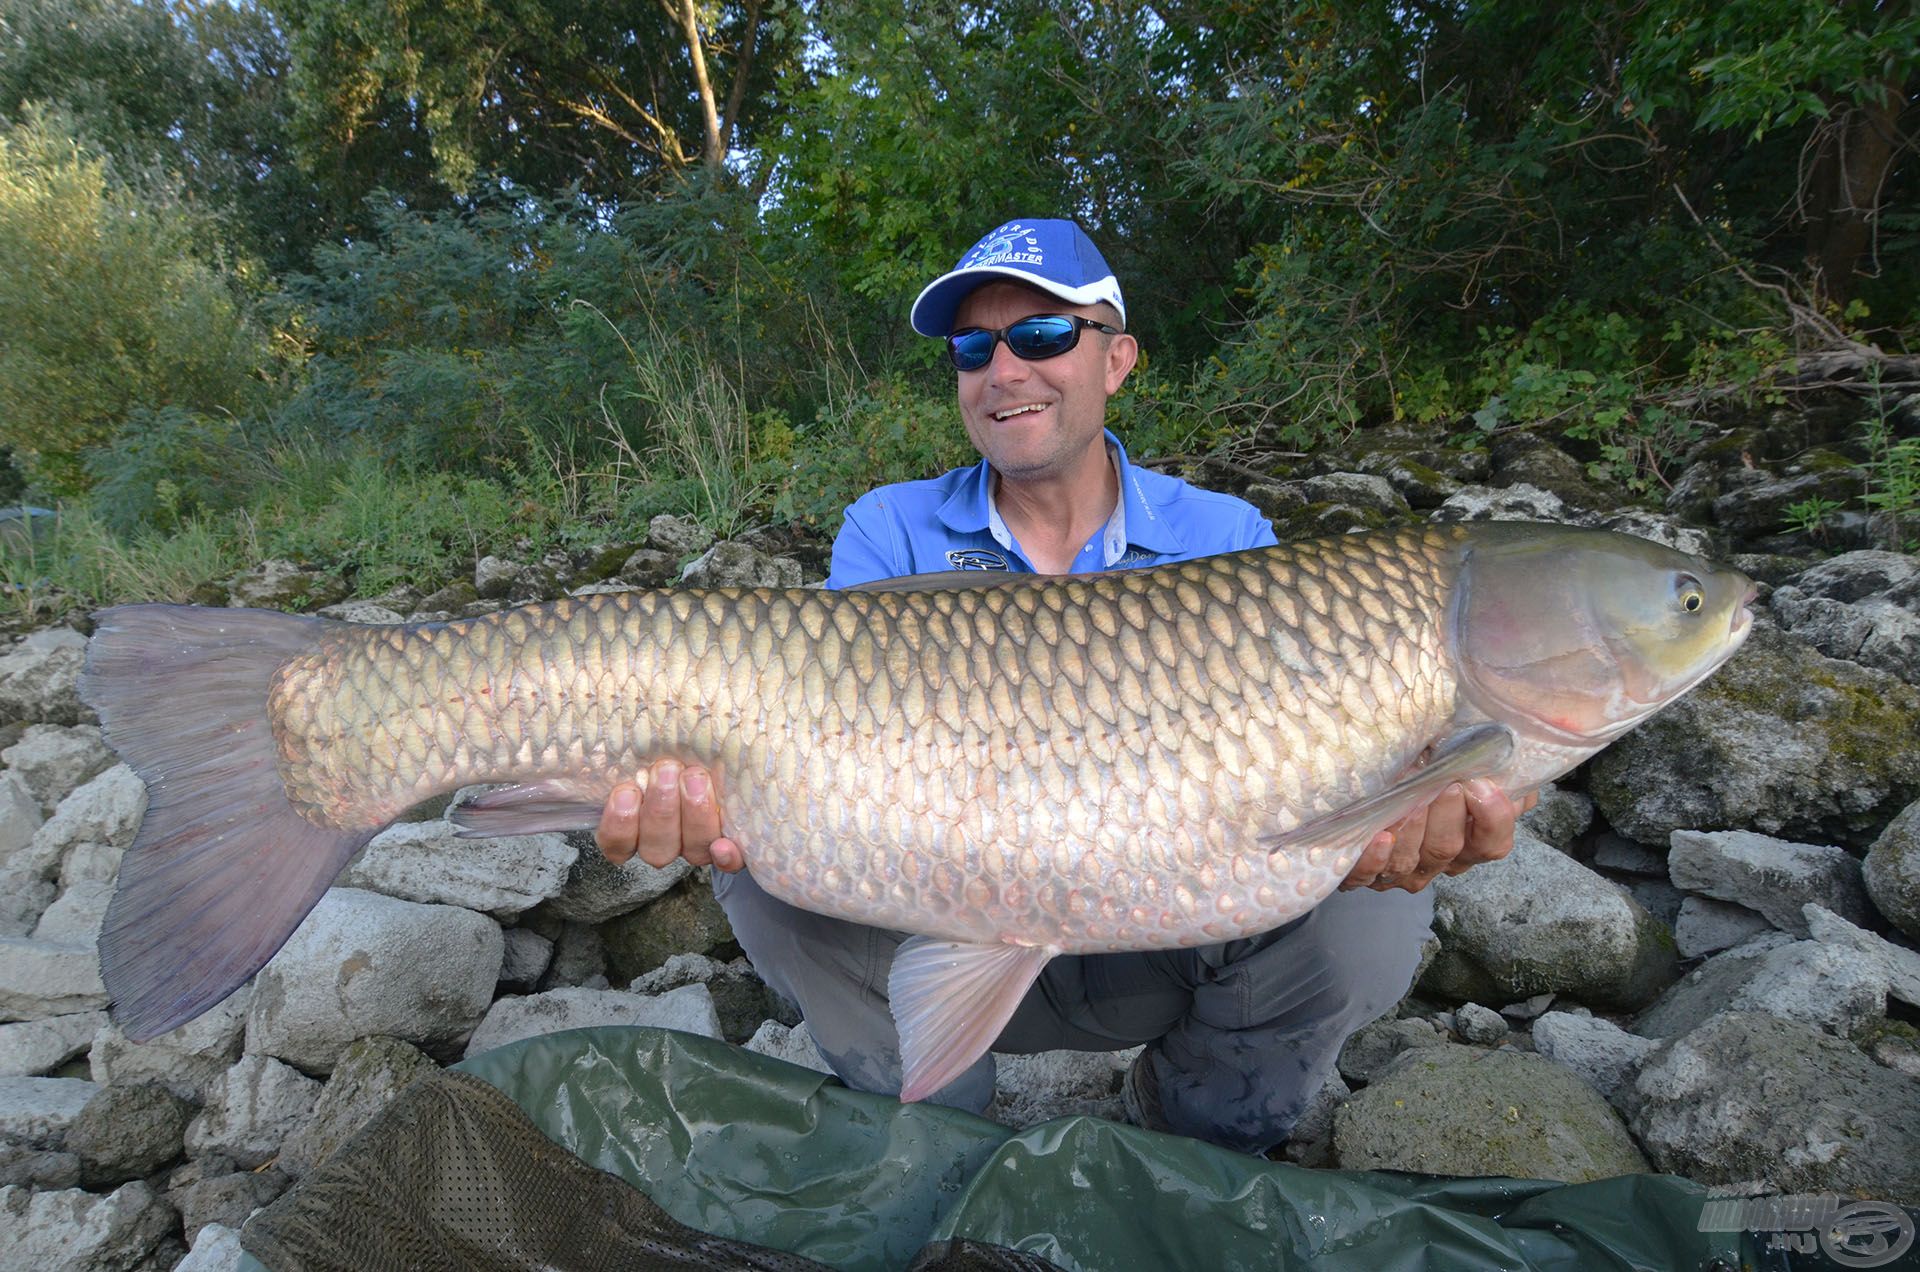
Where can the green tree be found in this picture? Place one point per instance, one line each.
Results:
(422, 98)
(109, 307)
(1839, 81)
(194, 89)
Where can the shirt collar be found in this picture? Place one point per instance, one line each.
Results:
(1135, 522)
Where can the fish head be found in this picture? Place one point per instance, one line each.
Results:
(1578, 635)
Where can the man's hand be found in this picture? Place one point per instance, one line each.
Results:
(1462, 827)
(677, 816)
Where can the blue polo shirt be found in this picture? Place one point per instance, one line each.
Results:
(951, 523)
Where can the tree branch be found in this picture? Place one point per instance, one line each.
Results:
(742, 68)
(713, 152)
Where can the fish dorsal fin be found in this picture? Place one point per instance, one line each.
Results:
(1476, 752)
(953, 581)
(950, 1001)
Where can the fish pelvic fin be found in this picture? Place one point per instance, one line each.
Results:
(1474, 752)
(950, 1001)
(561, 803)
(223, 867)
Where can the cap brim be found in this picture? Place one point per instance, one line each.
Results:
(933, 310)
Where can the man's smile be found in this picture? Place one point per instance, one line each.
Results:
(1011, 411)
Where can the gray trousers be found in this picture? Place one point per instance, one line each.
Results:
(1241, 1036)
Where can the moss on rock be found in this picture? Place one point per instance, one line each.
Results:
(1456, 1110)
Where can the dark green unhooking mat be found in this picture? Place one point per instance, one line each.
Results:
(752, 1161)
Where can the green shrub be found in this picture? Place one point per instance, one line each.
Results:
(384, 524)
(108, 307)
(890, 431)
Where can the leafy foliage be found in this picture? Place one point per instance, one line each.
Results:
(389, 280)
(109, 307)
(425, 97)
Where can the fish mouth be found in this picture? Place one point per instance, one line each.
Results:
(1743, 615)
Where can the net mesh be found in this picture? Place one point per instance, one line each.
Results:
(454, 1176)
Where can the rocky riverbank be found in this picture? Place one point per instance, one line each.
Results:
(1701, 957)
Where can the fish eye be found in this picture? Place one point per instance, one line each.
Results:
(1691, 596)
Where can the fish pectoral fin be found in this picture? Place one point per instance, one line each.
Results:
(560, 803)
(1473, 752)
(950, 1001)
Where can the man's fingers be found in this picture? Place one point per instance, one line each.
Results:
(1446, 829)
(660, 814)
(618, 833)
(1490, 835)
(727, 856)
(699, 815)
(1372, 861)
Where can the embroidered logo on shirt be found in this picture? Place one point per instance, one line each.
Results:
(976, 559)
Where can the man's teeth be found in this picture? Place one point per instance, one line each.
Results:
(1020, 410)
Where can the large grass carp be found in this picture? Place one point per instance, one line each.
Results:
(1011, 770)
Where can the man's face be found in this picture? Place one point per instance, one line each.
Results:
(1037, 420)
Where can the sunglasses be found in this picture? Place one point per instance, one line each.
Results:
(1031, 339)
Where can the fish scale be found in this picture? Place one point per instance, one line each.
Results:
(1127, 750)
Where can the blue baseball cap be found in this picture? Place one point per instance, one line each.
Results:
(1055, 256)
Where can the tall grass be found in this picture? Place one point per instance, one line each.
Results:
(79, 562)
(695, 411)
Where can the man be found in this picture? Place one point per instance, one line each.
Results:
(1239, 1036)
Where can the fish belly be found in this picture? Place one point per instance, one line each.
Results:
(1085, 763)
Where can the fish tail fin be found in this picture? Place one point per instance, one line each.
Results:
(223, 867)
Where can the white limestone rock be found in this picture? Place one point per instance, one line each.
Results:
(1832, 987)
(1747, 1096)
(1518, 502)
(99, 863)
(106, 810)
(38, 678)
(1898, 964)
(794, 1045)
(528, 956)
(1478, 1024)
(38, 1112)
(1540, 922)
(47, 978)
(190, 1061)
(215, 1249)
(1706, 926)
(1770, 875)
(363, 964)
(20, 815)
(256, 1106)
(1032, 1089)
(75, 917)
(428, 862)
(55, 759)
(77, 1231)
(689, 1009)
(1560, 817)
(24, 897)
(34, 1047)
(1599, 1051)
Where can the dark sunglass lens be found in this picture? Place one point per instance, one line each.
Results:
(970, 349)
(1043, 337)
